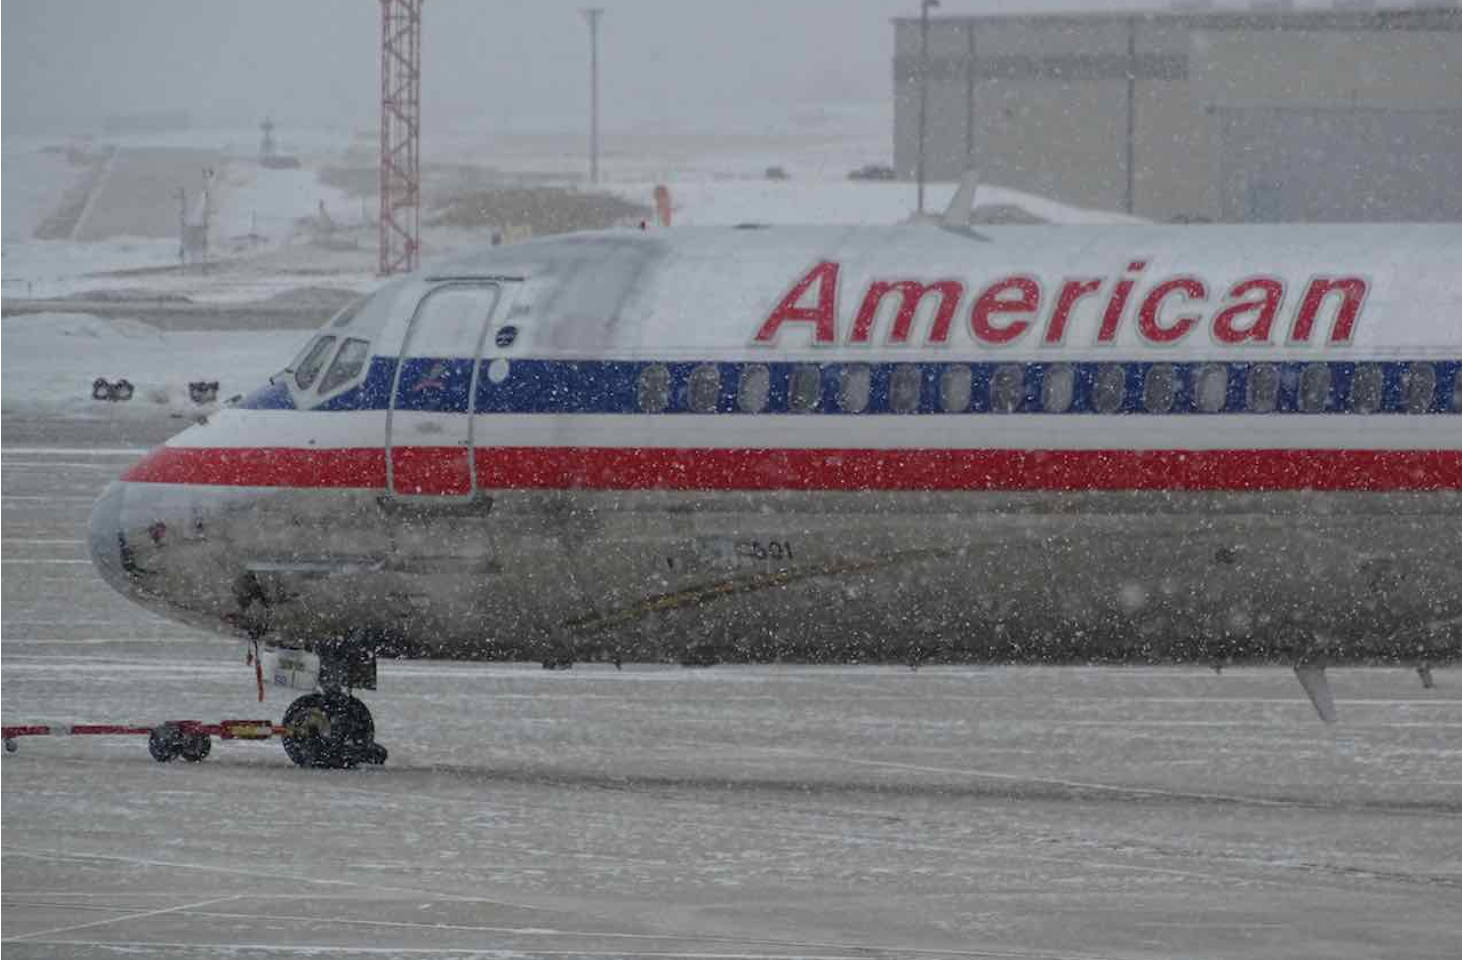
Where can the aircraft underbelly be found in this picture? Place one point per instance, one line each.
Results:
(822, 576)
(980, 576)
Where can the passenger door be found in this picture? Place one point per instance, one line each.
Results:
(429, 422)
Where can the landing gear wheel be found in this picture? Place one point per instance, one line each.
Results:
(165, 742)
(330, 730)
(196, 747)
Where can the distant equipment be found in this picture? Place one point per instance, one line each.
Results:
(203, 391)
(104, 389)
(400, 220)
(873, 171)
(269, 155)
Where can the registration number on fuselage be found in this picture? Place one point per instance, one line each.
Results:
(747, 551)
(759, 551)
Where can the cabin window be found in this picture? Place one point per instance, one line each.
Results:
(754, 388)
(1419, 387)
(1058, 388)
(1261, 393)
(854, 381)
(904, 388)
(1210, 387)
(1159, 388)
(1365, 388)
(308, 368)
(653, 390)
(1110, 388)
(704, 389)
(1007, 388)
(955, 389)
(1314, 387)
(805, 389)
(348, 364)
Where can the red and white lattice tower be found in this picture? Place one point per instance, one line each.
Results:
(400, 135)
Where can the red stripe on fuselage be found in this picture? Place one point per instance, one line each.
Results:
(654, 468)
(262, 467)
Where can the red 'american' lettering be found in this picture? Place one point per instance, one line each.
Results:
(1007, 308)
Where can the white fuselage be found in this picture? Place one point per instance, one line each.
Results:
(1154, 443)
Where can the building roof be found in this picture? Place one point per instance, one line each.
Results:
(1442, 11)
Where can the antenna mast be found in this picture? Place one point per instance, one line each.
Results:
(400, 220)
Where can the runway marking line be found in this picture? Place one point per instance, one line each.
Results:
(270, 875)
(1025, 778)
(845, 836)
(123, 919)
(864, 951)
(542, 932)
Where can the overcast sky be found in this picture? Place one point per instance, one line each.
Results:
(520, 65)
(523, 63)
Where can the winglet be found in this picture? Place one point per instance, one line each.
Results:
(962, 205)
(1312, 678)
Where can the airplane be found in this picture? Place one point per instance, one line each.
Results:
(922, 442)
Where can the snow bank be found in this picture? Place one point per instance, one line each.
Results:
(51, 359)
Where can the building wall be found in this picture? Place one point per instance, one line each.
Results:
(1264, 116)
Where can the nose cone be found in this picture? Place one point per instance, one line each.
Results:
(109, 551)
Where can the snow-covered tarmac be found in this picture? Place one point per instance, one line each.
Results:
(729, 812)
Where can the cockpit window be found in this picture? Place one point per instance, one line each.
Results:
(309, 366)
(348, 363)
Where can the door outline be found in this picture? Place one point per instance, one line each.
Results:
(402, 356)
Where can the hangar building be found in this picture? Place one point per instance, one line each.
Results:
(1273, 112)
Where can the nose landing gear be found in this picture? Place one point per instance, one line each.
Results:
(331, 730)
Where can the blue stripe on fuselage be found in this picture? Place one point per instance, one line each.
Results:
(613, 386)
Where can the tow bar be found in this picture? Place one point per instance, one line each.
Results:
(190, 739)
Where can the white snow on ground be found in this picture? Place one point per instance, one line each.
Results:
(56, 268)
(270, 203)
(721, 202)
(51, 359)
(247, 200)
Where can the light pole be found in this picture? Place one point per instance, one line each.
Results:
(924, 6)
(592, 14)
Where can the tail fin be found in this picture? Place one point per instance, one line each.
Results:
(962, 205)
